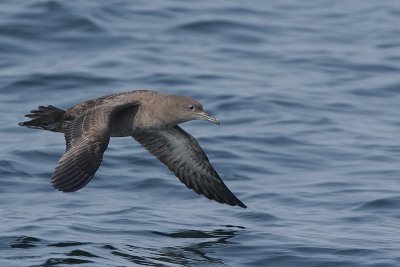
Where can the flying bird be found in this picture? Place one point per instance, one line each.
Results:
(151, 118)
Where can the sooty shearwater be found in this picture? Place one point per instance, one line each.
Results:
(151, 118)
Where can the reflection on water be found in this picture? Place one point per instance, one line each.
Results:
(194, 248)
(195, 252)
(192, 252)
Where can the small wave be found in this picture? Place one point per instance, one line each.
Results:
(216, 25)
(231, 31)
(385, 91)
(199, 234)
(260, 216)
(25, 242)
(381, 204)
(40, 82)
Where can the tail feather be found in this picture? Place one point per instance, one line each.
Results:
(47, 118)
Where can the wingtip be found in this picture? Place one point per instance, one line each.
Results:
(242, 206)
(238, 203)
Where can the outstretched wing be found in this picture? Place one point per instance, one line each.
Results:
(181, 153)
(86, 139)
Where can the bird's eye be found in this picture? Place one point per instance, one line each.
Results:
(191, 107)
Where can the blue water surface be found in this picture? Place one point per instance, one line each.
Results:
(308, 93)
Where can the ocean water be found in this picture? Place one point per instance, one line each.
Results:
(308, 93)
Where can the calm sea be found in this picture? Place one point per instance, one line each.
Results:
(308, 93)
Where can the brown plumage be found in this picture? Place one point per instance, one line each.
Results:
(151, 118)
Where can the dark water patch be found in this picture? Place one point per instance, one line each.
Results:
(198, 234)
(381, 204)
(321, 121)
(67, 244)
(211, 77)
(67, 261)
(359, 219)
(234, 226)
(82, 253)
(214, 26)
(357, 252)
(386, 91)
(389, 45)
(140, 260)
(25, 242)
(244, 39)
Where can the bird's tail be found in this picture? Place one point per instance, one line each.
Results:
(47, 118)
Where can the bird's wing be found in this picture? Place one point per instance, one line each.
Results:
(181, 153)
(86, 139)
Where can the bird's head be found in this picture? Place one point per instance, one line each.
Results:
(186, 108)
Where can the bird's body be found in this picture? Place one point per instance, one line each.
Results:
(151, 118)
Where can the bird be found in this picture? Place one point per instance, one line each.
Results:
(151, 118)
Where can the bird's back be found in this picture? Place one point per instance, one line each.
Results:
(134, 96)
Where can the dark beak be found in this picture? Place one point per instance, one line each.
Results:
(205, 116)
